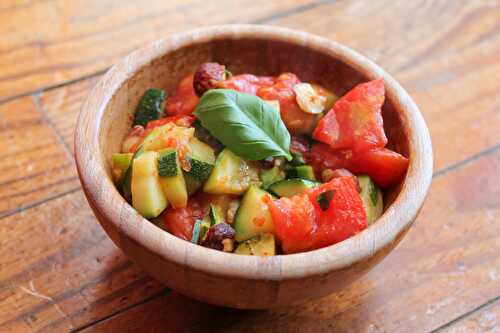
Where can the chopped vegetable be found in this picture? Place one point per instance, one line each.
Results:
(252, 217)
(231, 175)
(356, 119)
(147, 196)
(223, 171)
(308, 99)
(244, 123)
(149, 107)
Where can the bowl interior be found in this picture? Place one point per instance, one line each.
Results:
(260, 56)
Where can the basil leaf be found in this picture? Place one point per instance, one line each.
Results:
(244, 123)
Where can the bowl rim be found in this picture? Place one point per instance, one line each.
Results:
(106, 200)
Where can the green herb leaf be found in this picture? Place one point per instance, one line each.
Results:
(244, 123)
(324, 199)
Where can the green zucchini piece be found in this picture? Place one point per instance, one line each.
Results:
(253, 216)
(270, 176)
(172, 180)
(231, 175)
(192, 185)
(149, 107)
(372, 198)
(261, 245)
(291, 187)
(201, 158)
(205, 225)
(147, 195)
(301, 171)
(168, 165)
(127, 177)
(216, 215)
(202, 134)
(122, 161)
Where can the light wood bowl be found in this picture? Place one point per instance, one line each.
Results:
(228, 279)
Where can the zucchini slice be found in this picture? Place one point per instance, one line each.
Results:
(149, 107)
(372, 198)
(262, 245)
(291, 187)
(172, 179)
(201, 158)
(147, 196)
(253, 216)
(231, 175)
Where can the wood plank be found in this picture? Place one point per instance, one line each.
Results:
(34, 165)
(485, 320)
(59, 270)
(52, 43)
(463, 75)
(446, 266)
(461, 90)
(444, 53)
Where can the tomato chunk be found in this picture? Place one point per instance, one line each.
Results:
(384, 166)
(184, 100)
(355, 122)
(318, 217)
(247, 83)
(180, 221)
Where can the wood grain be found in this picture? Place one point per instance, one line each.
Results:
(443, 52)
(447, 265)
(52, 43)
(34, 164)
(485, 320)
(432, 47)
(59, 270)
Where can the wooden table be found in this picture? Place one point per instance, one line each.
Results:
(60, 272)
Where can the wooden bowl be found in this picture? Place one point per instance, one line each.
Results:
(228, 279)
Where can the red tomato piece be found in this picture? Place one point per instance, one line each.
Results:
(294, 221)
(384, 166)
(345, 215)
(180, 221)
(247, 83)
(296, 120)
(355, 122)
(322, 157)
(302, 224)
(184, 100)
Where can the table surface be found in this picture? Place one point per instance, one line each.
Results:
(59, 271)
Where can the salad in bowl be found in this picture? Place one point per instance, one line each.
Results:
(258, 165)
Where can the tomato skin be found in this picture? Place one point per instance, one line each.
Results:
(384, 166)
(355, 122)
(322, 157)
(294, 222)
(184, 100)
(301, 225)
(345, 215)
(180, 221)
(247, 83)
